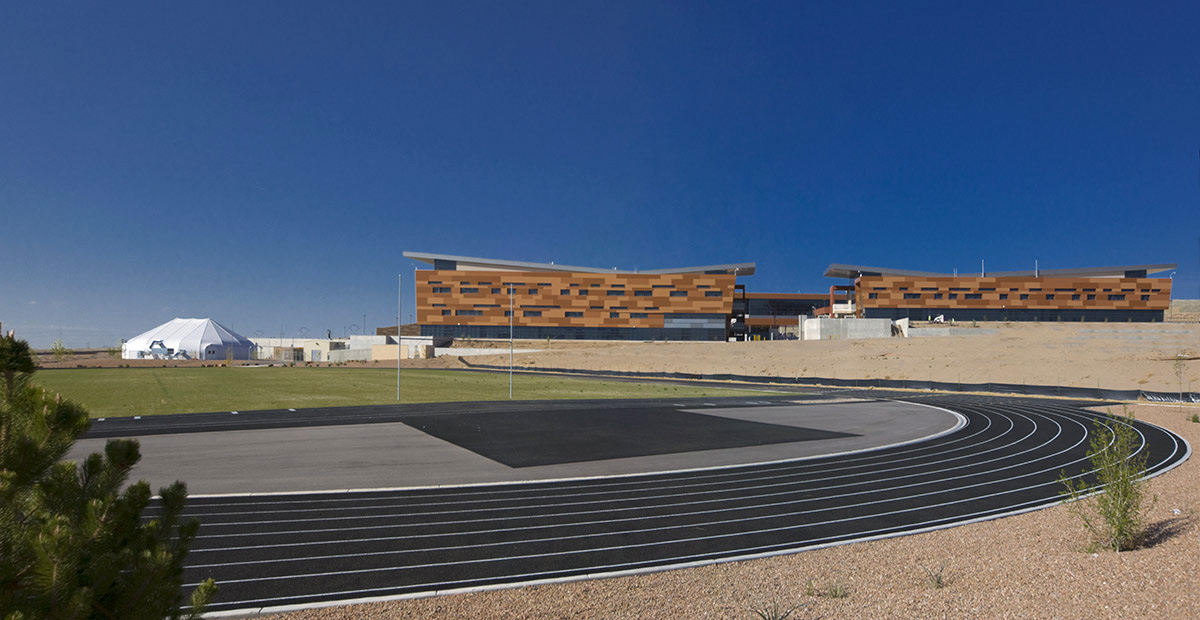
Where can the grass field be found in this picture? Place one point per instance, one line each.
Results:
(110, 392)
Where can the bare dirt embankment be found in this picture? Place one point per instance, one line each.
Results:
(1109, 355)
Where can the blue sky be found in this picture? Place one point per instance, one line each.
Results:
(266, 163)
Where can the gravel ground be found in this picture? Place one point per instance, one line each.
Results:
(1033, 565)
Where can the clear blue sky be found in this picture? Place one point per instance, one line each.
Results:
(265, 163)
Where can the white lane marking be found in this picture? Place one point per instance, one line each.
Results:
(741, 484)
(99, 419)
(515, 486)
(291, 409)
(606, 572)
(683, 514)
(645, 544)
(137, 417)
(233, 412)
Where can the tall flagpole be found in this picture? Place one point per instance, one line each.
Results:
(400, 342)
(399, 322)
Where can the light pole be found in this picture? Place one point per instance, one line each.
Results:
(399, 341)
(511, 314)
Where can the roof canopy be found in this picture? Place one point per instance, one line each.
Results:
(468, 263)
(198, 338)
(838, 270)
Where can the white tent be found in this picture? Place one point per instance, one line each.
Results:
(203, 339)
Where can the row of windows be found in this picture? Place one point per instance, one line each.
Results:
(1003, 296)
(538, 313)
(445, 290)
(1014, 289)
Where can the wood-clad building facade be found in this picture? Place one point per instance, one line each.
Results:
(1117, 294)
(463, 297)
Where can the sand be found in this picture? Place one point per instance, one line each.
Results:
(1121, 356)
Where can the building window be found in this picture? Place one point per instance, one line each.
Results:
(533, 291)
(663, 286)
(495, 291)
(638, 315)
(904, 288)
(583, 292)
(1003, 295)
(485, 305)
(614, 315)
(1117, 297)
(1049, 296)
(508, 313)
(872, 295)
(468, 290)
(435, 281)
(439, 305)
(650, 308)
(1075, 297)
(914, 296)
(445, 313)
(678, 293)
(712, 293)
(987, 288)
(641, 293)
(1035, 290)
(702, 286)
(543, 284)
(532, 313)
(484, 283)
(615, 293)
(1145, 298)
(1091, 297)
(928, 288)
(441, 289)
(973, 296)
(1024, 296)
(937, 295)
(953, 295)
(565, 291)
(574, 315)
(468, 312)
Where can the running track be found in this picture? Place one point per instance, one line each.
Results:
(272, 552)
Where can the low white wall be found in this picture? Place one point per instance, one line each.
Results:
(824, 328)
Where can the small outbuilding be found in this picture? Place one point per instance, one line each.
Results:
(203, 339)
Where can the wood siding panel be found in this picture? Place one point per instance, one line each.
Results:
(1006, 293)
(559, 293)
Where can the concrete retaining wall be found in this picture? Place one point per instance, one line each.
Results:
(825, 328)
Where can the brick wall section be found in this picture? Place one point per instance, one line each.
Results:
(443, 296)
(1014, 293)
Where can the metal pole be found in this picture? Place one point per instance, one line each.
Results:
(510, 340)
(399, 342)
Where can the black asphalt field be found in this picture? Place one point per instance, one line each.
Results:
(273, 551)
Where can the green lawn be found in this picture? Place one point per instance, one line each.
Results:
(109, 392)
